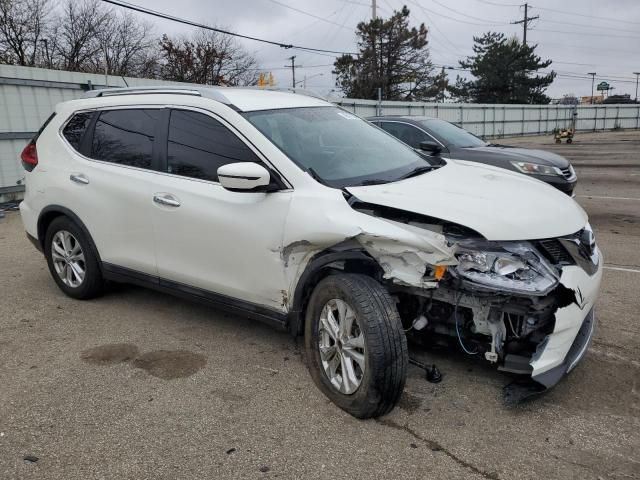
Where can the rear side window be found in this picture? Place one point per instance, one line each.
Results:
(407, 133)
(199, 145)
(75, 128)
(125, 136)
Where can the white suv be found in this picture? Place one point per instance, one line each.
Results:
(288, 209)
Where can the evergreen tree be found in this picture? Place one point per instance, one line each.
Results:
(393, 57)
(505, 71)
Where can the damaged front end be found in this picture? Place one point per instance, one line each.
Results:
(525, 306)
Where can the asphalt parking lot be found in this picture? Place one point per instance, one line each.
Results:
(140, 385)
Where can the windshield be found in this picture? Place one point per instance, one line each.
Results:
(451, 135)
(338, 147)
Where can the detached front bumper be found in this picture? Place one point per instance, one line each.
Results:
(574, 326)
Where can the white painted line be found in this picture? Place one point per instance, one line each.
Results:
(608, 198)
(620, 269)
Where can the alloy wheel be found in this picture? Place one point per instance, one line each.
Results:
(342, 347)
(68, 258)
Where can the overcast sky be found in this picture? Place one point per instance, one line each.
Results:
(566, 32)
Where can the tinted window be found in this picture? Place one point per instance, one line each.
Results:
(452, 135)
(125, 137)
(407, 133)
(75, 128)
(198, 145)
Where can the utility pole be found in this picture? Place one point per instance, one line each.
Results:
(637, 74)
(593, 80)
(525, 22)
(374, 13)
(293, 71)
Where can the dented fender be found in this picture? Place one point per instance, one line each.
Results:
(402, 251)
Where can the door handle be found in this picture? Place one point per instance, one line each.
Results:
(166, 200)
(79, 178)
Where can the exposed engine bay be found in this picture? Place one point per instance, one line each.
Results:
(496, 300)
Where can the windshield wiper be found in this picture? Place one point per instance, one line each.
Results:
(418, 171)
(373, 181)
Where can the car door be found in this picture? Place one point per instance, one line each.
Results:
(109, 182)
(409, 134)
(208, 237)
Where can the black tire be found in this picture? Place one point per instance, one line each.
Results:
(93, 284)
(386, 354)
(569, 140)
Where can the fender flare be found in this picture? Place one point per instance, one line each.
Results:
(59, 210)
(313, 273)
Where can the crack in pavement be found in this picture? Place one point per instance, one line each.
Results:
(437, 447)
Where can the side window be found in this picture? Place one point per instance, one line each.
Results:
(75, 128)
(125, 136)
(199, 144)
(407, 133)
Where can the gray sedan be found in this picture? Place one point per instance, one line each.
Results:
(450, 141)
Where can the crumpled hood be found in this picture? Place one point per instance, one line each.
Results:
(497, 203)
(516, 154)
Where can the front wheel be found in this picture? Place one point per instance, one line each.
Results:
(355, 346)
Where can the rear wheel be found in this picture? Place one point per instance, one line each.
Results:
(72, 260)
(356, 348)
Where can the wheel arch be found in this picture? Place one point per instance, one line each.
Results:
(327, 262)
(50, 213)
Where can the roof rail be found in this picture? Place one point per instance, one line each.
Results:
(108, 92)
(208, 92)
(300, 91)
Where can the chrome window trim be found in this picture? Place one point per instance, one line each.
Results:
(204, 111)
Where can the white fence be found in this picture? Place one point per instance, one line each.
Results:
(29, 95)
(495, 121)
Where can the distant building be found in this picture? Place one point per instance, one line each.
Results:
(626, 98)
(589, 99)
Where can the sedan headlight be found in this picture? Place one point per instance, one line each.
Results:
(510, 268)
(536, 168)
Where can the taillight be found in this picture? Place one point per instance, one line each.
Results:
(29, 156)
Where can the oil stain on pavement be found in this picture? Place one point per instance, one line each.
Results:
(165, 364)
(110, 354)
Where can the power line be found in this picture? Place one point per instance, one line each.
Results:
(456, 19)
(165, 16)
(584, 25)
(608, 51)
(575, 14)
(308, 14)
(455, 50)
(588, 34)
(500, 4)
(461, 13)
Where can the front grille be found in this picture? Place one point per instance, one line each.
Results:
(567, 172)
(555, 252)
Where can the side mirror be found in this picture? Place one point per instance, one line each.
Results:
(244, 177)
(430, 146)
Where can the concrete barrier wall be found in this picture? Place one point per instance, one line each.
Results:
(29, 95)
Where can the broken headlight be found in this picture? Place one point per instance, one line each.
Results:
(510, 268)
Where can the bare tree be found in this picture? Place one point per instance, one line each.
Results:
(22, 27)
(208, 58)
(127, 45)
(75, 40)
